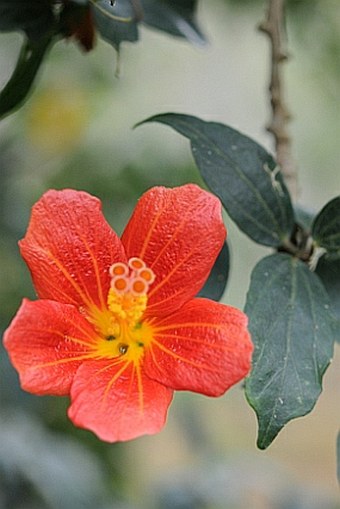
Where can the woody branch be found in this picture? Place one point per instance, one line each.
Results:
(274, 27)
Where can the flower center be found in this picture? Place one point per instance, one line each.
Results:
(122, 328)
(127, 299)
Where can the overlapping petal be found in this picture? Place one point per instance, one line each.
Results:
(117, 402)
(47, 341)
(178, 233)
(69, 248)
(204, 347)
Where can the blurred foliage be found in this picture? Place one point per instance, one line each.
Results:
(228, 485)
(45, 466)
(43, 122)
(45, 22)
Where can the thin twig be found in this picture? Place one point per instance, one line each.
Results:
(274, 27)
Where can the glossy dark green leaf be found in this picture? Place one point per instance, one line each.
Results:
(218, 277)
(326, 227)
(292, 330)
(242, 174)
(19, 85)
(176, 17)
(328, 271)
(116, 22)
(34, 17)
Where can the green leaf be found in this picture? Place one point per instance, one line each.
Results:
(34, 17)
(177, 17)
(326, 227)
(218, 277)
(242, 174)
(18, 87)
(292, 330)
(116, 23)
(328, 271)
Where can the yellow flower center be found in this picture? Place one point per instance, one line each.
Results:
(122, 332)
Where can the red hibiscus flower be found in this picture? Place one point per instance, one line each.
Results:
(117, 326)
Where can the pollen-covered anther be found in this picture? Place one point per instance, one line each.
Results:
(139, 286)
(147, 274)
(134, 277)
(136, 263)
(119, 269)
(130, 283)
(120, 284)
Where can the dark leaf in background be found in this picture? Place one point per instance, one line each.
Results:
(326, 227)
(19, 85)
(218, 277)
(176, 17)
(328, 271)
(242, 174)
(34, 17)
(117, 22)
(292, 330)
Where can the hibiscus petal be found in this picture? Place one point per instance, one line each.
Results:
(178, 233)
(46, 342)
(205, 347)
(115, 401)
(69, 248)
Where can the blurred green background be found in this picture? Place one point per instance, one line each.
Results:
(76, 131)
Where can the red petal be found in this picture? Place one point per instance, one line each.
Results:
(69, 248)
(178, 233)
(116, 402)
(205, 347)
(47, 341)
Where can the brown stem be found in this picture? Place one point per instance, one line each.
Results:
(274, 27)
